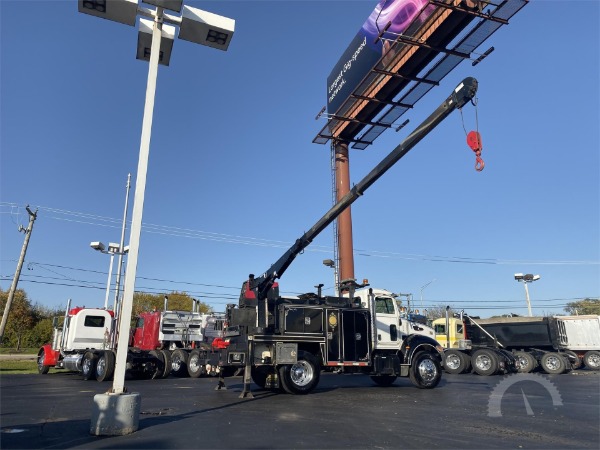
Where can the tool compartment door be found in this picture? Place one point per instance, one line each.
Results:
(356, 335)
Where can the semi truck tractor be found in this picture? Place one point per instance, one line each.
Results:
(555, 344)
(160, 342)
(286, 343)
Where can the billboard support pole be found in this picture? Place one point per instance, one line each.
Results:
(344, 221)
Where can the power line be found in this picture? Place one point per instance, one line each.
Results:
(91, 219)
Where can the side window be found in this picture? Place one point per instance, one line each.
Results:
(140, 322)
(384, 305)
(459, 328)
(440, 329)
(94, 321)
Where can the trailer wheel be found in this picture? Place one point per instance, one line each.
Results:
(455, 361)
(425, 371)
(159, 364)
(302, 376)
(383, 380)
(88, 365)
(553, 363)
(484, 362)
(167, 366)
(194, 364)
(179, 359)
(527, 363)
(105, 367)
(42, 369)
(591, 360)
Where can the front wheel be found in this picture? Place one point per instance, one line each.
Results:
(42, 369)
(425, 371)
(302, 376)
(105, 367)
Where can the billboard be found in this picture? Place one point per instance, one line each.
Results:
(365, 50)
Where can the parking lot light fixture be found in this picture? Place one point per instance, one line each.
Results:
(125, 11)
(526, 279)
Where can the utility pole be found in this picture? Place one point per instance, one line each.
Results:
(13, 286)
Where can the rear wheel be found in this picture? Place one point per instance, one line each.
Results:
(425, 371)
(592, 360)
(159, 364)
(194, 364)
(88, 365)
(179, 359)
(383, 380)
(553, 363)
(455, 361)
(302, 376)
(167, 367)
(527, 363)
(42, 369)
(105, 367)
(484, 362)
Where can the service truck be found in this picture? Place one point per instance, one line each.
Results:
(556, 344)
(285, 343)
(160, 342)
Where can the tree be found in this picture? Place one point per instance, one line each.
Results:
(439, 311)
(585, 306)
(177, 301)
(20, 320)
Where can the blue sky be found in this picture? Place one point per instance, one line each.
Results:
(234, 178)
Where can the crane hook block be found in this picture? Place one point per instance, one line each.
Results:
(474, 142)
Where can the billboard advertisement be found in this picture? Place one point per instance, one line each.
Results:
(366, 50)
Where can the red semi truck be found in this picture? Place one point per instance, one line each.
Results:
(160, 343)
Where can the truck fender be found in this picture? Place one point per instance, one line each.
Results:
(51, 357)
(416, 343)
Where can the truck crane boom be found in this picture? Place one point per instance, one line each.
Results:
(255, 290)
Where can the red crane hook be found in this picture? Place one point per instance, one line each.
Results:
(474, 141)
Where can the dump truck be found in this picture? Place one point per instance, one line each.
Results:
(556, 344)
(285, 343)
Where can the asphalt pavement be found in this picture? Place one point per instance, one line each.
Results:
(345, 411)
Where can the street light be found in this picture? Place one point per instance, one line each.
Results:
(423, 287)
(113, 249)
(196, 26)
(526, 279)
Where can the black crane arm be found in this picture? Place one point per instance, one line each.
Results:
(259, 287)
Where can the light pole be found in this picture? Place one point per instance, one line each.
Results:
(113, 249)
(526, 279)
(423, 287)
(195, 25)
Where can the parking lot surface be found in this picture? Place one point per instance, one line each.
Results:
(345, 411)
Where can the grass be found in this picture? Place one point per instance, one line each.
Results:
(17, 366)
